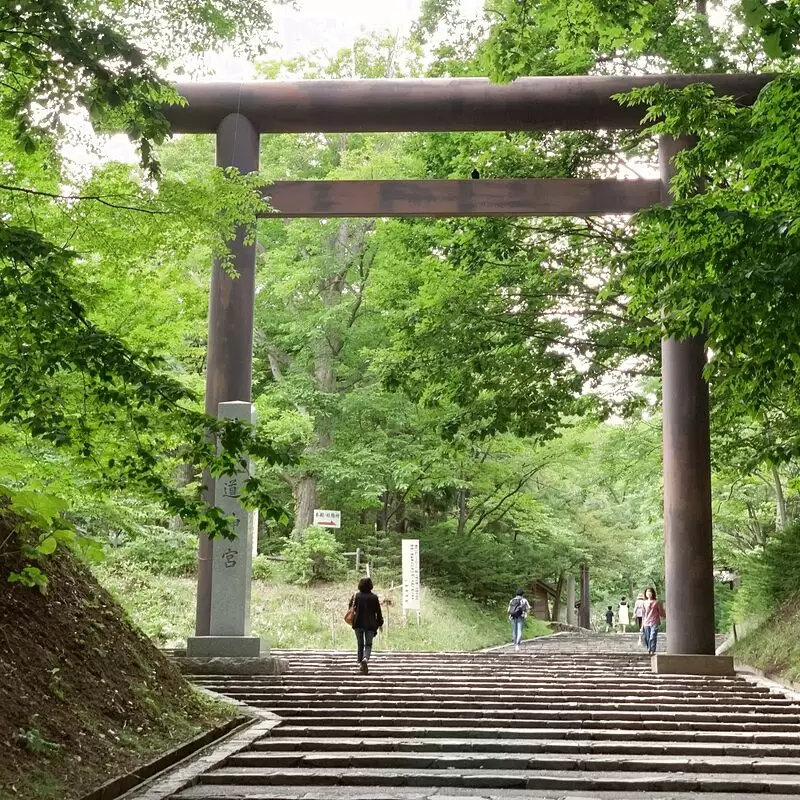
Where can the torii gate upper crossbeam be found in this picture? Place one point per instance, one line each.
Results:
(434, 104)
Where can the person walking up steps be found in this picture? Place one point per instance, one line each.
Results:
(609, 620)
(367, 620)
(623, 615)
(653, 614)
(518, 608)
(638, 611)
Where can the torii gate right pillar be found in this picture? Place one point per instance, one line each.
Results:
(688, 549)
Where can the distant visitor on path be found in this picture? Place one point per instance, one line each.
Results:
(623, 615)
(518, 608)
(609, 620)
(364, 611)
(638, 611)
(651, 619)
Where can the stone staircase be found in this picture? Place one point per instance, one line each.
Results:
(547, 722)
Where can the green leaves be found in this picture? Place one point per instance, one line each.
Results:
(31, 577)
(552, 37)
(62, 59)
(316, 557)
(778, 23)
(725, 262)
(42, 508)
(47, 546)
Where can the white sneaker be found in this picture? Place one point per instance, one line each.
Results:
(516, 647)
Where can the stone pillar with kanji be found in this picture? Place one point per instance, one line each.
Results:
(231, 565)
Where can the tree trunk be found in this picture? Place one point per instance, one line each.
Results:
(463, 510)
(780, 501)
(304, 492)
(557, 599)
(585, 616)
(571, 600)
(399, 521)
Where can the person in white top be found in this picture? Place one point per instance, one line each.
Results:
(638, 610)
(623, 615)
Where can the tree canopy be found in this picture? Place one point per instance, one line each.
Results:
(486, 385)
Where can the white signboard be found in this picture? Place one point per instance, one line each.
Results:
(327, 519)
(410, 575)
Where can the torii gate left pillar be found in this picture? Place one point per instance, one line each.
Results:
(229, 372)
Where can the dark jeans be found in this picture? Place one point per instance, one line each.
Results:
(364, 639)
(650, 637)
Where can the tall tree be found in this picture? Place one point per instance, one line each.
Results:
(65, 379)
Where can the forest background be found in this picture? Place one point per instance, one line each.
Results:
(489, 386)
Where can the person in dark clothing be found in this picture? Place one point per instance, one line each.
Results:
(367, 620)
(609, 620)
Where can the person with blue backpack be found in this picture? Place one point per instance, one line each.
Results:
(518, 609)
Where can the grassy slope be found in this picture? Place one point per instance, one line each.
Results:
(290, 616)
(83, 696)
(774, 647)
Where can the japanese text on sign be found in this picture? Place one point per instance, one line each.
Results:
(327, 519)
(411, 599)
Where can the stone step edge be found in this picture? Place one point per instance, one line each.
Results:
(536, 762)
(521, 703)
(276, 744)
(303, 792)
(345, 724)
(540, 779)
(562, 715)
(588, 734)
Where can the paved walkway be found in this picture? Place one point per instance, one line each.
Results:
(552, 721)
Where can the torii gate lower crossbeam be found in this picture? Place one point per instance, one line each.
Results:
(585, 104)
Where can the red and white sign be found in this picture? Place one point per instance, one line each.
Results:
(327, 519)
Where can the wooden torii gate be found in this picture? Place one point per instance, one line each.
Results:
(239, 112)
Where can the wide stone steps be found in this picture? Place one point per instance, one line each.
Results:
(503, 725)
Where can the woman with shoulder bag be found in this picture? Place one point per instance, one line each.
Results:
(364, 614)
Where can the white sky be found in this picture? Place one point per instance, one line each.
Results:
(326, 24)
(333, 25)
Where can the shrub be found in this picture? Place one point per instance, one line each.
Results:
(158, 550)
(262, 568)
(771, 577)
(316, 557)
